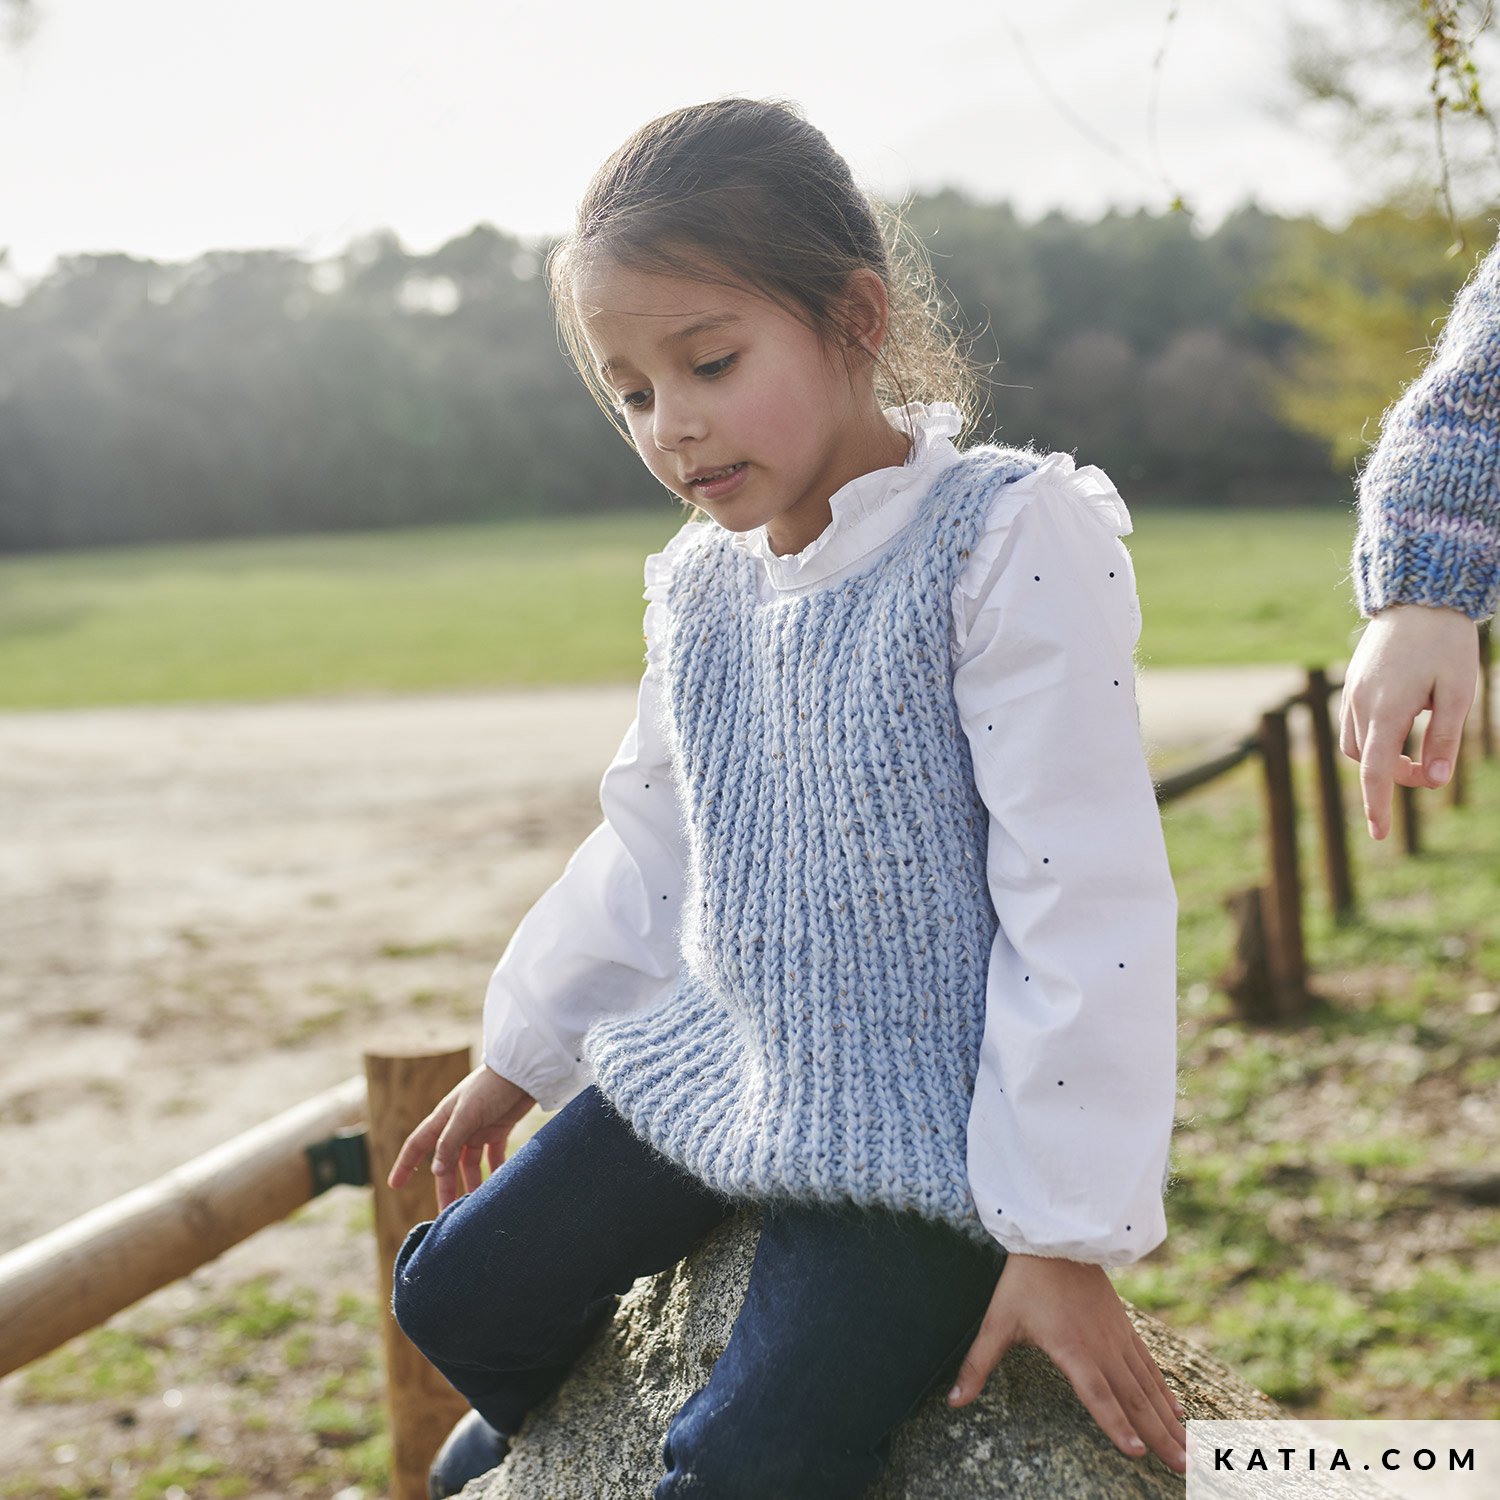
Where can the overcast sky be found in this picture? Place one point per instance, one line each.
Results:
(167, 127)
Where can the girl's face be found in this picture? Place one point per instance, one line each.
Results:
(733, 403)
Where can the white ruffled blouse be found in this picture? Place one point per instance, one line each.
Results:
(1044, 680)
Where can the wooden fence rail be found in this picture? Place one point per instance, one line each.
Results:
(78, 1276)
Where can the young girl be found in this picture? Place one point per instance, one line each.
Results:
(878, 932)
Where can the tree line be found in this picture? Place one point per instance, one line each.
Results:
(253, 392)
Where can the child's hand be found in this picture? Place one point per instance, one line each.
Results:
(475, 1116)
(1071, 1311)
(1410, 657)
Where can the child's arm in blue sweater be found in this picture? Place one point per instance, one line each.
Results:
(1426, 559)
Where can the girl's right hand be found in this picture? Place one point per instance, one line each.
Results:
(474, 1117)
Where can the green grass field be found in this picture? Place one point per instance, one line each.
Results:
(523, 604)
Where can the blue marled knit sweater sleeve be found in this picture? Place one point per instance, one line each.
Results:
(1429, 497)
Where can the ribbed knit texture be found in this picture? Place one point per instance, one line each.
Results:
(1429, 497)
(822, 1041)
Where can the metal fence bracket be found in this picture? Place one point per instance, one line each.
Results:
(341, 1160)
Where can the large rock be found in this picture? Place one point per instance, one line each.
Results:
(1027, 1437)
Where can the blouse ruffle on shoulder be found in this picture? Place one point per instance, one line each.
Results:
(1056, 477)
(657, 571)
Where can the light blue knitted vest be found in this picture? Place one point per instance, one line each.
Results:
(822, 1039)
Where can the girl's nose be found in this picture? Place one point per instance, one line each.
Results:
(676, 420)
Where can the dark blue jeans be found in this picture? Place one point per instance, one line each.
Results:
(850, 1318)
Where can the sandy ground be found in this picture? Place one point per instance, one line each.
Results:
(207, 912)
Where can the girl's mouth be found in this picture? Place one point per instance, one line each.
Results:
(720, 482)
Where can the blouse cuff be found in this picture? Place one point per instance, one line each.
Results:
(1119, 1236)
(525, 1054)
(1089, 1252)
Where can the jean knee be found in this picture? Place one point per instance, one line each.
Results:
(435, 1295)
(493, 1311)
(422, 1300)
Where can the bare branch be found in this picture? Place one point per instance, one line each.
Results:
(1402, 84)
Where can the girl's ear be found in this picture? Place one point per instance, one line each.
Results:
(864, 311)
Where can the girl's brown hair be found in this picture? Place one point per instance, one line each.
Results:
(744, 192)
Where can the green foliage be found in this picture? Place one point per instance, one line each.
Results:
(185, 1473)
(359, 1311)
(1403, 84)
(254, 393)
(337, 1423)
(1279, 589)
(251, 392)
(1133, 340)
(1288, 1333)
(1367, 303)
(254, 1311)
(416, 950)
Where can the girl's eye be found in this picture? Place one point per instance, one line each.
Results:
(637, 400)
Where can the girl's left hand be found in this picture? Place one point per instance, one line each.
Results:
(1410, 657)
(1071, 1311)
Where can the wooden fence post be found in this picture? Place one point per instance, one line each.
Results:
(1406, 800)
(1458, 788)
(1284, 904)
(403, 1088)
(1486, 707)
(1330, 799)
(1248, 980)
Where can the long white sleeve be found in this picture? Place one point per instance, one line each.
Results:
(1071, 1120)
(603, 938)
